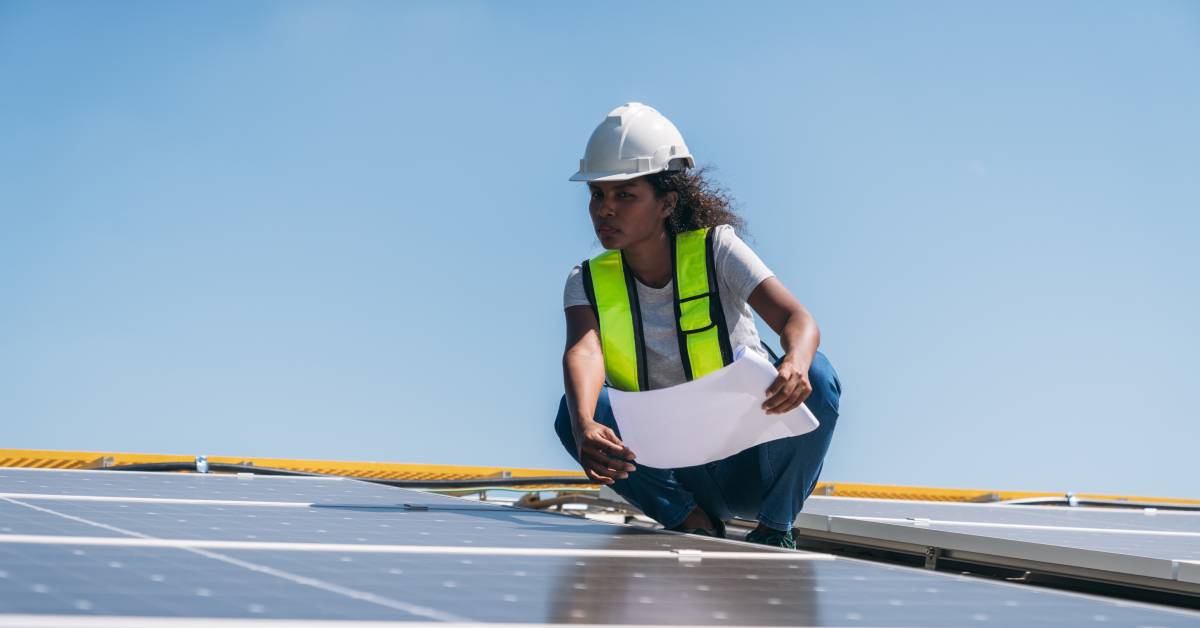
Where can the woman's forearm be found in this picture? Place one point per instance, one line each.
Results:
(800, 338)
(583, 376)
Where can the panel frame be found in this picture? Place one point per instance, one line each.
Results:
(1120, 569)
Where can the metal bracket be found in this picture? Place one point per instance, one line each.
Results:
(932, 554)
(103, 462)
(985, 498)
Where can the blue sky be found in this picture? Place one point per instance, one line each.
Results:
(340, 230)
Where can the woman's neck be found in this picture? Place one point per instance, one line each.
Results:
(650, 260)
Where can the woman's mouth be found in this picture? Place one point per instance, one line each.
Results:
(605, 230)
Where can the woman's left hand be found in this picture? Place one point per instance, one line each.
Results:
(789, 389)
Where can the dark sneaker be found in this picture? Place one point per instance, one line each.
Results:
(774, 538)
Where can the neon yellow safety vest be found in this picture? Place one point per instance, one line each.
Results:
(699, 320)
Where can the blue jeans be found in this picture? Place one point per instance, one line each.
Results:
(767, 483)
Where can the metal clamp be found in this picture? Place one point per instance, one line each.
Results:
(932, 554)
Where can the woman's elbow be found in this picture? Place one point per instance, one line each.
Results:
(807, 323)
(577, 354)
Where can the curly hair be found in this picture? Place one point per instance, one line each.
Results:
(701, 203)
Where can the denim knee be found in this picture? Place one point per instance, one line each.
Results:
(562, 426)
(826, 387)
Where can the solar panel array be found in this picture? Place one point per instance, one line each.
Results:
(1146, 546)
(80, 548)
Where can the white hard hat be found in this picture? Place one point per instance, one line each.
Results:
(632, 141)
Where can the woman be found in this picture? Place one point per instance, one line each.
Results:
(663, 305)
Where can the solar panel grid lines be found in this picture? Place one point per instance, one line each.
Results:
(504, 527)
(16, 519)
(413, 609)
(151, 542)
(130, 563)
(60, 621)
(154, 500)
(612, 593)
(104, 581)
(242, 487)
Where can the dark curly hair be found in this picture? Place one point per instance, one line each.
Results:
(701, 202)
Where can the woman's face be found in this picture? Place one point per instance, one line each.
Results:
(626, 212)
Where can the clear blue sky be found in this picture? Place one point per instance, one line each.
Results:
(340, 230)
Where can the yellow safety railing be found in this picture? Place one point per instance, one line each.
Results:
(48, 459)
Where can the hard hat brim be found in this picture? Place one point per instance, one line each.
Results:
(624, 176)
(607, 176)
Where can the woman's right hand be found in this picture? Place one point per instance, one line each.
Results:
(602, 455)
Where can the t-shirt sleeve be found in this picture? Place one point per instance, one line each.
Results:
(573, 292)
(737, 264)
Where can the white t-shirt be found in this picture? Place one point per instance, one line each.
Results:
(739, 271)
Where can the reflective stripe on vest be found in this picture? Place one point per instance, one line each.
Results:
(611, 289)
(699, 320)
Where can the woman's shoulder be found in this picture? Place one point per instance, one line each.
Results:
(736, 262)
(575, 277)
(574, 292)
(726, 237)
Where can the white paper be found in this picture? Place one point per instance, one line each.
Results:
(706, 419)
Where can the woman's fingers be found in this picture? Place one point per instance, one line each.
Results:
(602, 459)
(779, 400)
(787, 392)
(777, 392)
(616, 447)
(788, 399)
(792, 404)
(596, 477)
(602, 467)
(603, 478)
(611, 446)
(776, 386)
(803, 392)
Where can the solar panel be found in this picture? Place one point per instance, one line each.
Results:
(1120, 545)
(240, 487)
(80, 546)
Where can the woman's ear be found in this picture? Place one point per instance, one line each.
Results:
(669, 201)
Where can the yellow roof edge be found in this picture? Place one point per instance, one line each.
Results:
(52, 459)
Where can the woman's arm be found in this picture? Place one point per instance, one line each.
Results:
(800, 337)
(583, 376)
